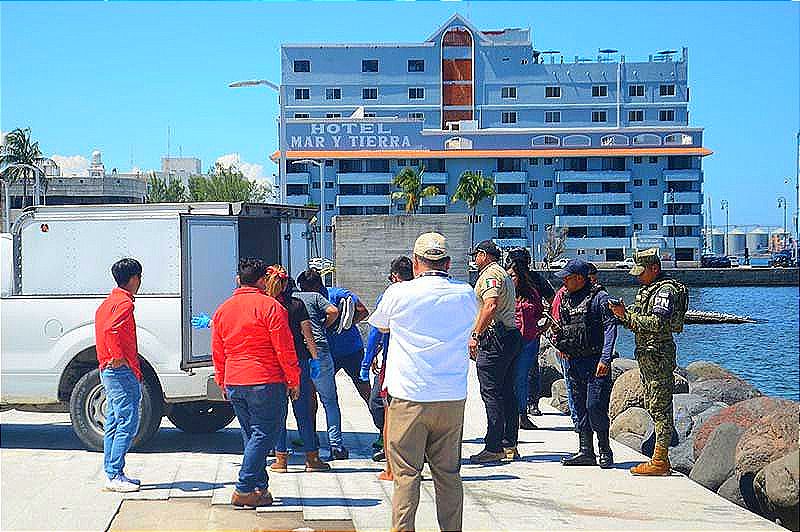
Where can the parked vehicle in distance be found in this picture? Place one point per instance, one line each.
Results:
(734, 261)
(558, 264)
(781, 259)
(714, 261)
(627, 263)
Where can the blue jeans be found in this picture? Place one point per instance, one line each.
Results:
(123, 393)
(590, 395)
(302, 414)
(527, 367)
(261, 411)
(326, 388)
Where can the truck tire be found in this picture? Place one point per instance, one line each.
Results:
(87, 407)
(201, 417)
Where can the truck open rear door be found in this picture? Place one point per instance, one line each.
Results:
(209, 260)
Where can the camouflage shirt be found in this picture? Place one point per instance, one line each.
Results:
(650, 315)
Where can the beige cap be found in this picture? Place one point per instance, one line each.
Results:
(431, 246)
(643, 259)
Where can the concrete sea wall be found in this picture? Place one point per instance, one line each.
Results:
(705, 276)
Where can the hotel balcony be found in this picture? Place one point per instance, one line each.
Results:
(684, 241)
(297, 178)
(365, 200)
(510, 177)
(511, 242)
(511, 199)
(434, 178)
(298, 199)
(681, 219)
(593, 221)
(365, 178)
(683, 197)
(603, 198)
(509, 221)
(438, 200)
(694, 174)
(571, 176)
(598, 243)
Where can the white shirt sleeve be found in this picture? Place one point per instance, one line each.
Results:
(380, 317)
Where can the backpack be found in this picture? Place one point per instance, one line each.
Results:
(680, 305)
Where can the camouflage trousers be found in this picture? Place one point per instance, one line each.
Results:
(656, 364)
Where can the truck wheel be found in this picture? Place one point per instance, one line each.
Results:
(87, 409)
(199, 417)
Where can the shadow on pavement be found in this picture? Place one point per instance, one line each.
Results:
(188, 486)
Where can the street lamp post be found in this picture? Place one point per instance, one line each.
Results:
(724, 206)
(782, 203)
(323, 226)
(281, 128)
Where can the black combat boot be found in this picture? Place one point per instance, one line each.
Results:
(606, 460)
(585, 455)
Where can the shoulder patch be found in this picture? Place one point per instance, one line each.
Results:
(493, 283)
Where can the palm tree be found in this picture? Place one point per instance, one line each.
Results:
(409, 181)
(473, 188)
(18, 149)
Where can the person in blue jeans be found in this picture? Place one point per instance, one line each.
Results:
(123, 393)
(527, 313)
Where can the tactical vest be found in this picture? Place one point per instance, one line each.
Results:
(574, 337)
(680, 303)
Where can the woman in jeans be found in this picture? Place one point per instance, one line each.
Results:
(528, 312)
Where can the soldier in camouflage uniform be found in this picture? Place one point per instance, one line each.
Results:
(656, 314)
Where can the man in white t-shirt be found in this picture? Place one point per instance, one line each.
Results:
(430, 319)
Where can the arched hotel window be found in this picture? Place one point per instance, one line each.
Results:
(458, 143)
(681, 139)
(577, 140)
(543, 141)
(646, 139)
(614, 140)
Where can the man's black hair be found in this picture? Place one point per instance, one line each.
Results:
(251, 270)
(439, 265)
(310, 280)
(124, 269)
(402, 267)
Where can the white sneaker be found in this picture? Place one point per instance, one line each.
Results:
(123, 476)
(121, 486)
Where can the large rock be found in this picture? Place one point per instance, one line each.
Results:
(620, 366)
(777, 491)
(730, 490)
(769, 439)
(743, 414)
(649, 443)
(634, 420)
(626, 393)
(716, 463)
(629, 439)
(681, 457)
(731, 391)
(702, 370)
(559, 398)
(550, 369)
(690, 403)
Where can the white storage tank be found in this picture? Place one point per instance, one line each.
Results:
(717, 241)
(737, 240)
(757, 240)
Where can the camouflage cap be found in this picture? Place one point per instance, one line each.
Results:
(645, 258)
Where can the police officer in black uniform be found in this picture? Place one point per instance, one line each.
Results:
(586, 333)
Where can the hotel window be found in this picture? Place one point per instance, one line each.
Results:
(637, 160)
(666, 115)
(508, 93)
(666, 90)
(637, 227)
(599, 116)
(653, 182)
(370, 115)
(333, 94)
(637, 182)
(535, 228)
(416, 65)
(534, 183)
(548, 183)
(369, 65)
(635, 90)
(416, 116)
(599, 91)
(509, 117)
(329, 184)
(552, 116)
(302, 65)
(636, 116)
(580, 252)
(637, 204)
(302, 94)
(535, 205)
(329, 206)
(416, 93)
(370, 93)
(653, 205)
(653, 227)
(328, 162)
(302, 115)
(548, 205)
(533, 161)
(547, 161)
(552, 92)
(653, 160)
(315, 184)
(333, 115)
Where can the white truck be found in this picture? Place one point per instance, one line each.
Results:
(55, 269)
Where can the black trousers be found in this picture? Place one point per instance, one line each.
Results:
(590, 394)
(495, 365)
(375, 404)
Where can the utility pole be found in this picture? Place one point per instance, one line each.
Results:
(724, 205)
(782, 203)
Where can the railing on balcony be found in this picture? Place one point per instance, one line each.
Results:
(438, 200)
(600, 198)
(363, 200)
(510, 199)
(683, 197)
(298, 199)
(681, 219)
(593, 221)
(600, 242)
(509, 221)
(434, 178)
(511, 242)
(365, 178)
(693, 174)
(510, 177)
(573, 176)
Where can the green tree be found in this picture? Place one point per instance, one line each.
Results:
(409, 181)
(472, 189)
(18, 149)
(227, 184)
(167, 190)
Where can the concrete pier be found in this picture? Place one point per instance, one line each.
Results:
(49, 482)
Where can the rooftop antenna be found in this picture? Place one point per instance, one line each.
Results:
(168, 139)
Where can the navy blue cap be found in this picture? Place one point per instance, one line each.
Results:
(574, 266)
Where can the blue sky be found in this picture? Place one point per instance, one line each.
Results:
(113, 76)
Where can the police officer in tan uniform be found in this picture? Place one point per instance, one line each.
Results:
(495, 345)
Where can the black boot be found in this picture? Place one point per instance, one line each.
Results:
(604, 446)
(585, 455)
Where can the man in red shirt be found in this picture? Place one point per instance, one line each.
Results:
(255, 362)
(118, 358)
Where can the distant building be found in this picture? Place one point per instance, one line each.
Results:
(181, 167)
